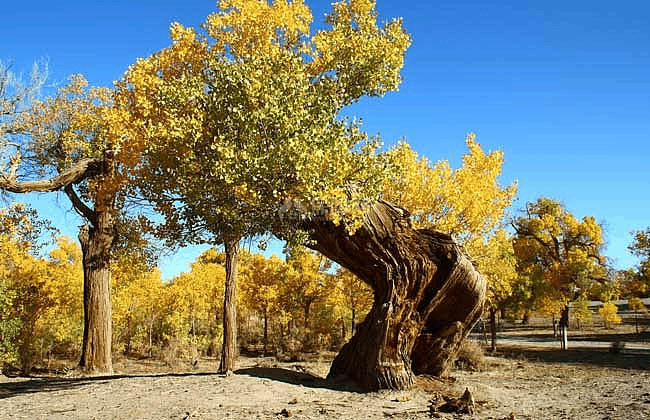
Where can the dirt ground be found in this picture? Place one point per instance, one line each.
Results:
(518, 382)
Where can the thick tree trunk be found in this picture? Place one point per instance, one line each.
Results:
(229, 349)
(427, 297)
(96, 244)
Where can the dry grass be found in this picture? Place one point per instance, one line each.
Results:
(471, 356)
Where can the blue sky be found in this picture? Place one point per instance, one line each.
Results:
(562, 87)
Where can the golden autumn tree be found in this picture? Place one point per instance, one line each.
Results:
(61, 143)
(73, 142)
(305, 280)
(193, 305)
(262, 287)
(468, 202)
(136, 291)
(401, 246)
(559, 252)
(351, 297)
(22, 275)
(496, 260)
(250, 108)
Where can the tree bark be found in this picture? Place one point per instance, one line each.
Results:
(229, 349)
(96, 244)
(427, 297)
(84, 169)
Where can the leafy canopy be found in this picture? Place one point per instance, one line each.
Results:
(239, 117)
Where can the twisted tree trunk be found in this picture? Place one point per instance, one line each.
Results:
(427, 297)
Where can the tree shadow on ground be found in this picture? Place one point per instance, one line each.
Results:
(575, 335)
(621, 358)
(50, 384)
(643, 337)
(299, 377)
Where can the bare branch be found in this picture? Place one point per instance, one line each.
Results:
(79, 205)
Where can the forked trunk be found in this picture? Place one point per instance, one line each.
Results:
(229, 349)
(96, 244)
(427, 297)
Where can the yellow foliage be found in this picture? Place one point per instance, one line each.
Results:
(250, 111)
(495, 259)
(261, 284)
(195, 299)
(609, 313)
(136, 302)
(558, 250)
(42, 304)
(468, 202)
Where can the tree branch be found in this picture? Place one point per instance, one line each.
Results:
(79, 205)
(84, 169)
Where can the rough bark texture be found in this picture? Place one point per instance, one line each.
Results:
(96, 243)
(84, 169)
(427, 297)
(229, 349)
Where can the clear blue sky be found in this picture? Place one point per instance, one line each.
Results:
(562, 87)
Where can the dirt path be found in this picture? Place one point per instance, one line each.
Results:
(536, 388)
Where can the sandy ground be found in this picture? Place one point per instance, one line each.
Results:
(519, 382)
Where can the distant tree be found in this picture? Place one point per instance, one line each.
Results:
(497, 262)
(609, 313)
(640, 247)
(633, 284)
(305, 280)
(636, 305)
(558, 252)
(136, 292)
(581, 312)
(352, 294)
(262, 286)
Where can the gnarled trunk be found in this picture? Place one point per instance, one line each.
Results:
(96, 244)
(427, 297)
